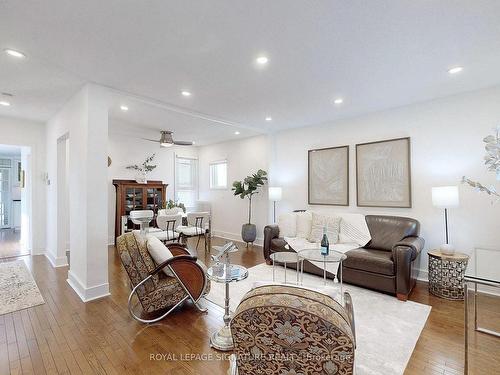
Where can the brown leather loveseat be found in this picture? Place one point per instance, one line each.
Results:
(386, 263)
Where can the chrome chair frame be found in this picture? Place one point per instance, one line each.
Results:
(160, 268)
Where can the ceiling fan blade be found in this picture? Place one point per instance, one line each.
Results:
(151, 140)
(183, 143)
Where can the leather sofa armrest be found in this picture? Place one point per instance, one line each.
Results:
(270, 231)
(404, 253)
(412, 244)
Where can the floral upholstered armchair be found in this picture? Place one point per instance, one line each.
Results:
(283, 329)
(156, 290)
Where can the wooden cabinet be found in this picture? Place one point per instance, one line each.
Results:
(131, 195)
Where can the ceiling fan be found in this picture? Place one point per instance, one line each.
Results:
(166, 140)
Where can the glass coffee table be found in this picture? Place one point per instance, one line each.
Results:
(285, 257)
(225, 273)
(314, 255)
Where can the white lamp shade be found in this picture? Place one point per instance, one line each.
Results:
(274, 193)
(445, 196)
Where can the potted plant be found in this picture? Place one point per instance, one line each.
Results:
(143, 169)
(246, 189)
(172, 204)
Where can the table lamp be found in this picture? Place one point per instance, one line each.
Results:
(445, 197)
(275, 196)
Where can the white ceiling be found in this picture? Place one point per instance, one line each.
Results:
(374, 54)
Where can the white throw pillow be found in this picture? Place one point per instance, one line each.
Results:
(159, 252)
(288, 224)
(353, 229)
(319, 221)
(304, 220)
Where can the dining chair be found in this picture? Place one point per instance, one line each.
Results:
(168, 225)
(198, 225)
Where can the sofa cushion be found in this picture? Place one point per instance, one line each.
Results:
(287, 223)
(376, 261)
(304, 221)
(319, 221)
(159, 252)
(353, 228)
(387, 230)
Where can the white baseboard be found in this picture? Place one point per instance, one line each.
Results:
(56, 261)
(235, 237)
(423, 275)
(37, 252)
(87, 294)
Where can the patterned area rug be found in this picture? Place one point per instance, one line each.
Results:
(18, 289)
(387, 330)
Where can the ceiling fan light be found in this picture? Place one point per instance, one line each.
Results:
(165, 144)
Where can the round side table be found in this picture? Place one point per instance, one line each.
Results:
(225, 273)
(446, 274)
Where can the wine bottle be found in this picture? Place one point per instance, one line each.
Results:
(325, 246)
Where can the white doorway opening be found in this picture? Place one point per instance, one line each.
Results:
(15, 201)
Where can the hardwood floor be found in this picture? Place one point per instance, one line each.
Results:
(10, 245)
(67, 336)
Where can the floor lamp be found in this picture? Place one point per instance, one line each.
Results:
(275, 196)
(445, 197)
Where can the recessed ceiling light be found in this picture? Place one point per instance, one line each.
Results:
(4, 103)
(124, 108)
(262, 60)
(455, 70)
(193, 143)
(14, 53)
(236, 132)
(186, 93)
(338, 101)
(269, 118)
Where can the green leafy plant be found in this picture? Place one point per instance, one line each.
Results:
(145, 167)
(248, 187)
(172, 204)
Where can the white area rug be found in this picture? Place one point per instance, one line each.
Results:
(386, 329)
(18, 290)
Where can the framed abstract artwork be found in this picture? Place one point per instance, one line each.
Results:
(383, 173)
(328, 176)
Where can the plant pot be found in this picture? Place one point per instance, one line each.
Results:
(248, 233)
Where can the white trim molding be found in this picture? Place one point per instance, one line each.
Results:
(87, 294)
(235, 237)
(56, 261)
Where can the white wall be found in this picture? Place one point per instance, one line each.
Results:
(30, 134)
(126, 150)
(446, 139)
(84, 121)
(244, 157)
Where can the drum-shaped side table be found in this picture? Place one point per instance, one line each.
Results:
(446, 274)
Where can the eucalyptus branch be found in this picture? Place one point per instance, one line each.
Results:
(145, 167)
(483, 189)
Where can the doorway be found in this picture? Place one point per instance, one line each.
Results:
(13, 187)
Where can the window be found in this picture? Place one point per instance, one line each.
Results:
(186, 181)
(218, 175)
